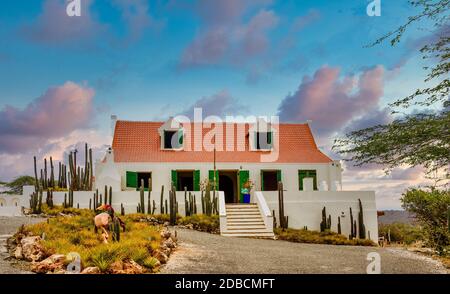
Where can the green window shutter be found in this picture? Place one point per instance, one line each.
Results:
(132, 179)
(244, 176)
(278, 176)
(313, 174)
(175, 179)
(211, 178)
(269, 138)
(301, 176)
(196, 180)
(262, 180)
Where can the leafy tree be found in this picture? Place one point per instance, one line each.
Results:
(430, 209)
(421, 137)
(400, 232)
(16, 186)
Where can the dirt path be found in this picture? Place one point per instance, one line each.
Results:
(205, 253)
(8, 226)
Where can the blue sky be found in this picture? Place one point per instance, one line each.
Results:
(146, 60)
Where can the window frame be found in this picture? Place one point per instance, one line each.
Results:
(309, 173)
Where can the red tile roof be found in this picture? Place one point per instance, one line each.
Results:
(140, 142)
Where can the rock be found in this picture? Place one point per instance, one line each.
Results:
(116, 267)
(161, 256)
(166, 250)
(52, 264)
(32, 249)
(132, 267)
(165, 234)
(18, 252)
(189, 226)
(170, 243)
(92, 270)
(166, 224)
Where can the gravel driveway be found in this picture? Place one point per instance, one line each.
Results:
(206, 253)
(8, 226)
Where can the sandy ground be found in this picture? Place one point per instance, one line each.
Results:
(205, 253)
(8, 226)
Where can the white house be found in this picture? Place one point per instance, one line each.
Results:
(186, 153)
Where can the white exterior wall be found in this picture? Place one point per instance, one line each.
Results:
(161, 172)
(304, 208)
(11, 205)
(129, 199)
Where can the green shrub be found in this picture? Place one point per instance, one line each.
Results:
(400, 232)
(430, 208)
(202, 222)
(326, 237)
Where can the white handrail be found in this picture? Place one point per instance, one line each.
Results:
(264, 209)
(222, 212)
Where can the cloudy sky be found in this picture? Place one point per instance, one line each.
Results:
(62, 77)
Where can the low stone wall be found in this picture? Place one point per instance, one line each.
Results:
(304, 208)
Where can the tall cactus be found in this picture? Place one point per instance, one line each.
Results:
(362, 227)
(161, 204)
(172, 210)
(323, 223)
(141, 194)
(339, 225)
(110, 195)
(282, 217)
(352, 231)
(149, 207)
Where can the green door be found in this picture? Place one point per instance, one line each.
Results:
(262, 180)
(175, 179)
(132, 179)
(211, 179)
(244, 176)
(278, 176)
(196, 180)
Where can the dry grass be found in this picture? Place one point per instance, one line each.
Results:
(202, 222)
(332, 238)
(75, 233)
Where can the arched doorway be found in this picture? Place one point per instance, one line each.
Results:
(228, 184)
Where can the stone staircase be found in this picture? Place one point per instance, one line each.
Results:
(245, 220)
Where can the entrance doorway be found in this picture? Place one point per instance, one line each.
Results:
(228, 183)
(185, 180)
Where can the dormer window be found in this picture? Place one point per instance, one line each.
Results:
(262, 136)
(171, 134)
(264, 140)
(173, 139)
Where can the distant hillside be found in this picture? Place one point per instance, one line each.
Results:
(396, 216)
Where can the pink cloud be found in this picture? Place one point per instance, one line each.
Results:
(59, 111)
(331, 101)
(255, 36)
(226, 36)
(136, 15)
(219, 104)
(53, 25)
